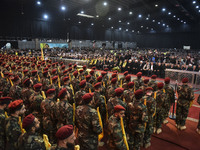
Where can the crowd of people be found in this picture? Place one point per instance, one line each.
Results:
(51, 105)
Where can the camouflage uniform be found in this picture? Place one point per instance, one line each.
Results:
(2, 129)
(26, 94)
(89, 86)
(13, 131)
(64, 113)
(115, 141)
(128, 95)
(48, 120)
(198, 101)
(138, 83)
(5, 86)
(30, 142)
(45, 83)
(78, 97)
(137, 118)
(71, 98)
(160, 108)
(110, 91)
(185, 97)
(112, 102)
(153, 84)
(170, 98)
(15, 92)
(75, 83)
(87, 122)
(151, 108)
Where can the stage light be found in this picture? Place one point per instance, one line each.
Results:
(141, 26)
(178, 18)
(140, 16)
(153, 20)
(147, 18)
(197, 7)
(163, 9)
(163, 24)
(147, 28)
(45, 16)
(120, 21)
(97, 16)
(120, 28)
(133, 31)
(169, 13)
(128, 23)
(109, 18)
(167, 26)
(38, 2)
(184, 22)
(158, 22)
(194, 2)
(181, 20)
(82, 12)
(111, 27)
(156, 5)
(130, 13)
(126, 29)
(92, 24)
(199, 11)
(119, 9)
(63, 8)
(174, 16)
(79, 22)
(105, 3)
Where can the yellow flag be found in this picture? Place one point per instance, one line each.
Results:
(58, 100)
(100, 136)
(50, 80)
(74, 108)
(106, 108)
(46, 142)
(70, 78)
(104, 84)
(77, 147)
(124, 133)
(6, 114)
(90, 90)
(121, 83)
(2, 75)
(155, 95)
(43, 94)
(59, 82)
(72, 89)
(38, 78)
(11, 82)
(42, 54)
(20, 124)
(124, 100)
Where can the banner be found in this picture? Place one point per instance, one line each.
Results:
(52, 45)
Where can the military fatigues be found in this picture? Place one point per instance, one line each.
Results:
(198, 101)
(5, 86)
(110, 92)
(138, 83)
(153, 84)
(78, 97)
(2, 129)
(128, 95)
(115, 138)
(137, 118)
(31, 142)
(185, 97)
(13, 131)
(15, 92)
(87, 122)
(26, 94)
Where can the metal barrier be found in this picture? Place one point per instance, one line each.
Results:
(193, 77)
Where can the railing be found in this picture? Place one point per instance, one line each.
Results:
(67, 61)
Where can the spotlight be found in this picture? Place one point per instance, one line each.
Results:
(79, 22)
(128, 23)
(119, 9)
(63, 8)
(82, 12)
(174, 16)
(109, 18)
(153, 20)
(126, 29)
(120, 21)
(156, 5)
(38, 2)
(45, 16)
(130, 13)
(140, 16)
(163, 9)
(105, 3)
(120, 28)
(169, 13)
(92, 24)
(197, 7)
(194, 2)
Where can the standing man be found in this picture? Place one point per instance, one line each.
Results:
(185, 98)
(138, 82)
(87, 122)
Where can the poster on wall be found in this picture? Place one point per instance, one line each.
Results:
(53, 45)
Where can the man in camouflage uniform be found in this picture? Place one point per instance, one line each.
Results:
(66, 84)
(123, 79)
(30, 140)
(80, 93)
(198, 126)
(126, 81)
(129, 93)
(4, 102)
(138, 82)
(117, 100)
(45, 81)
(170, 98)
(34, 77)
(144, 86)
(85, 70)
(111, 89)
(15, 90)
(65, 138)
(48, 112)
(185, 98)
(89, 86)
(160, 98)
(105, 78)
(136, 120)
(75, 82)
(153, 83)
(5, 84)
(87, 122)
(64, 110)
(150, 102)
(115, 136)
(93, 78)
(13, 129)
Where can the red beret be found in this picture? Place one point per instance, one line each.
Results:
(16, 78)
(34, 72)
(81, 70)
(63, 67)
(62, 93)
(93, 68)
(43, 63)
(19, 67)
(118, 108)
(70, 68)
(84, 67)
(37, 86)
(46, 68)
(54, 78)
(64, 132)
(167, 80)
(87, 97)
(49, 65)
(65, 71)
(131, 84)
(106, 69)
(15, 104)
(33, 65)
(75, 73)
(25, 71)
(6, 66)
(103, 73)
(138, 94)
(51, 91)
(149, 89)
(97, 85)
(54, 71)
(128, 77)
(53, 64)
(126, 73)
(38, 66)
(61, 63)
(28, 120)
(99, 79)
(114, 80)
(75, 65)
(5, 100)
(115, 71)
(13, 67)
(160, 85)
(119, 91)
(10, 74)
(45, 73)
(27, 82)
(88, 77)
(114, 75)
(70, 64)
(82, 83)
(185, 80)
(139, 74)
(146, 81)
(92, 72)
(153, 76)
(65, 79)
(56, 63)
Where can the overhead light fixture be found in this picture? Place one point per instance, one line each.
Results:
(169, 13)
(147, 28)
(79, 22)
(153, 20)
(158, 22)
(45, 16)
(109, 18)
(97, 16)
(181, 20)
(167, 26)
(111, 27)
(163, 24)
(130, 13)
(184, 22)
(151, 29)
(164, 9)
(140, 16)
(141, 26)
(82, 12)
(147, 18)
(194, 2)
(119, 9)
(120, 21)
(38, 2)
(92, 24)
(133, 31)
(63, 8)
(197, 7)
(128, 23)
(126, 29)
(120, 28)
(156, 5)
(174, 16)
(85, 15)
(105, 3)
(178, 18)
